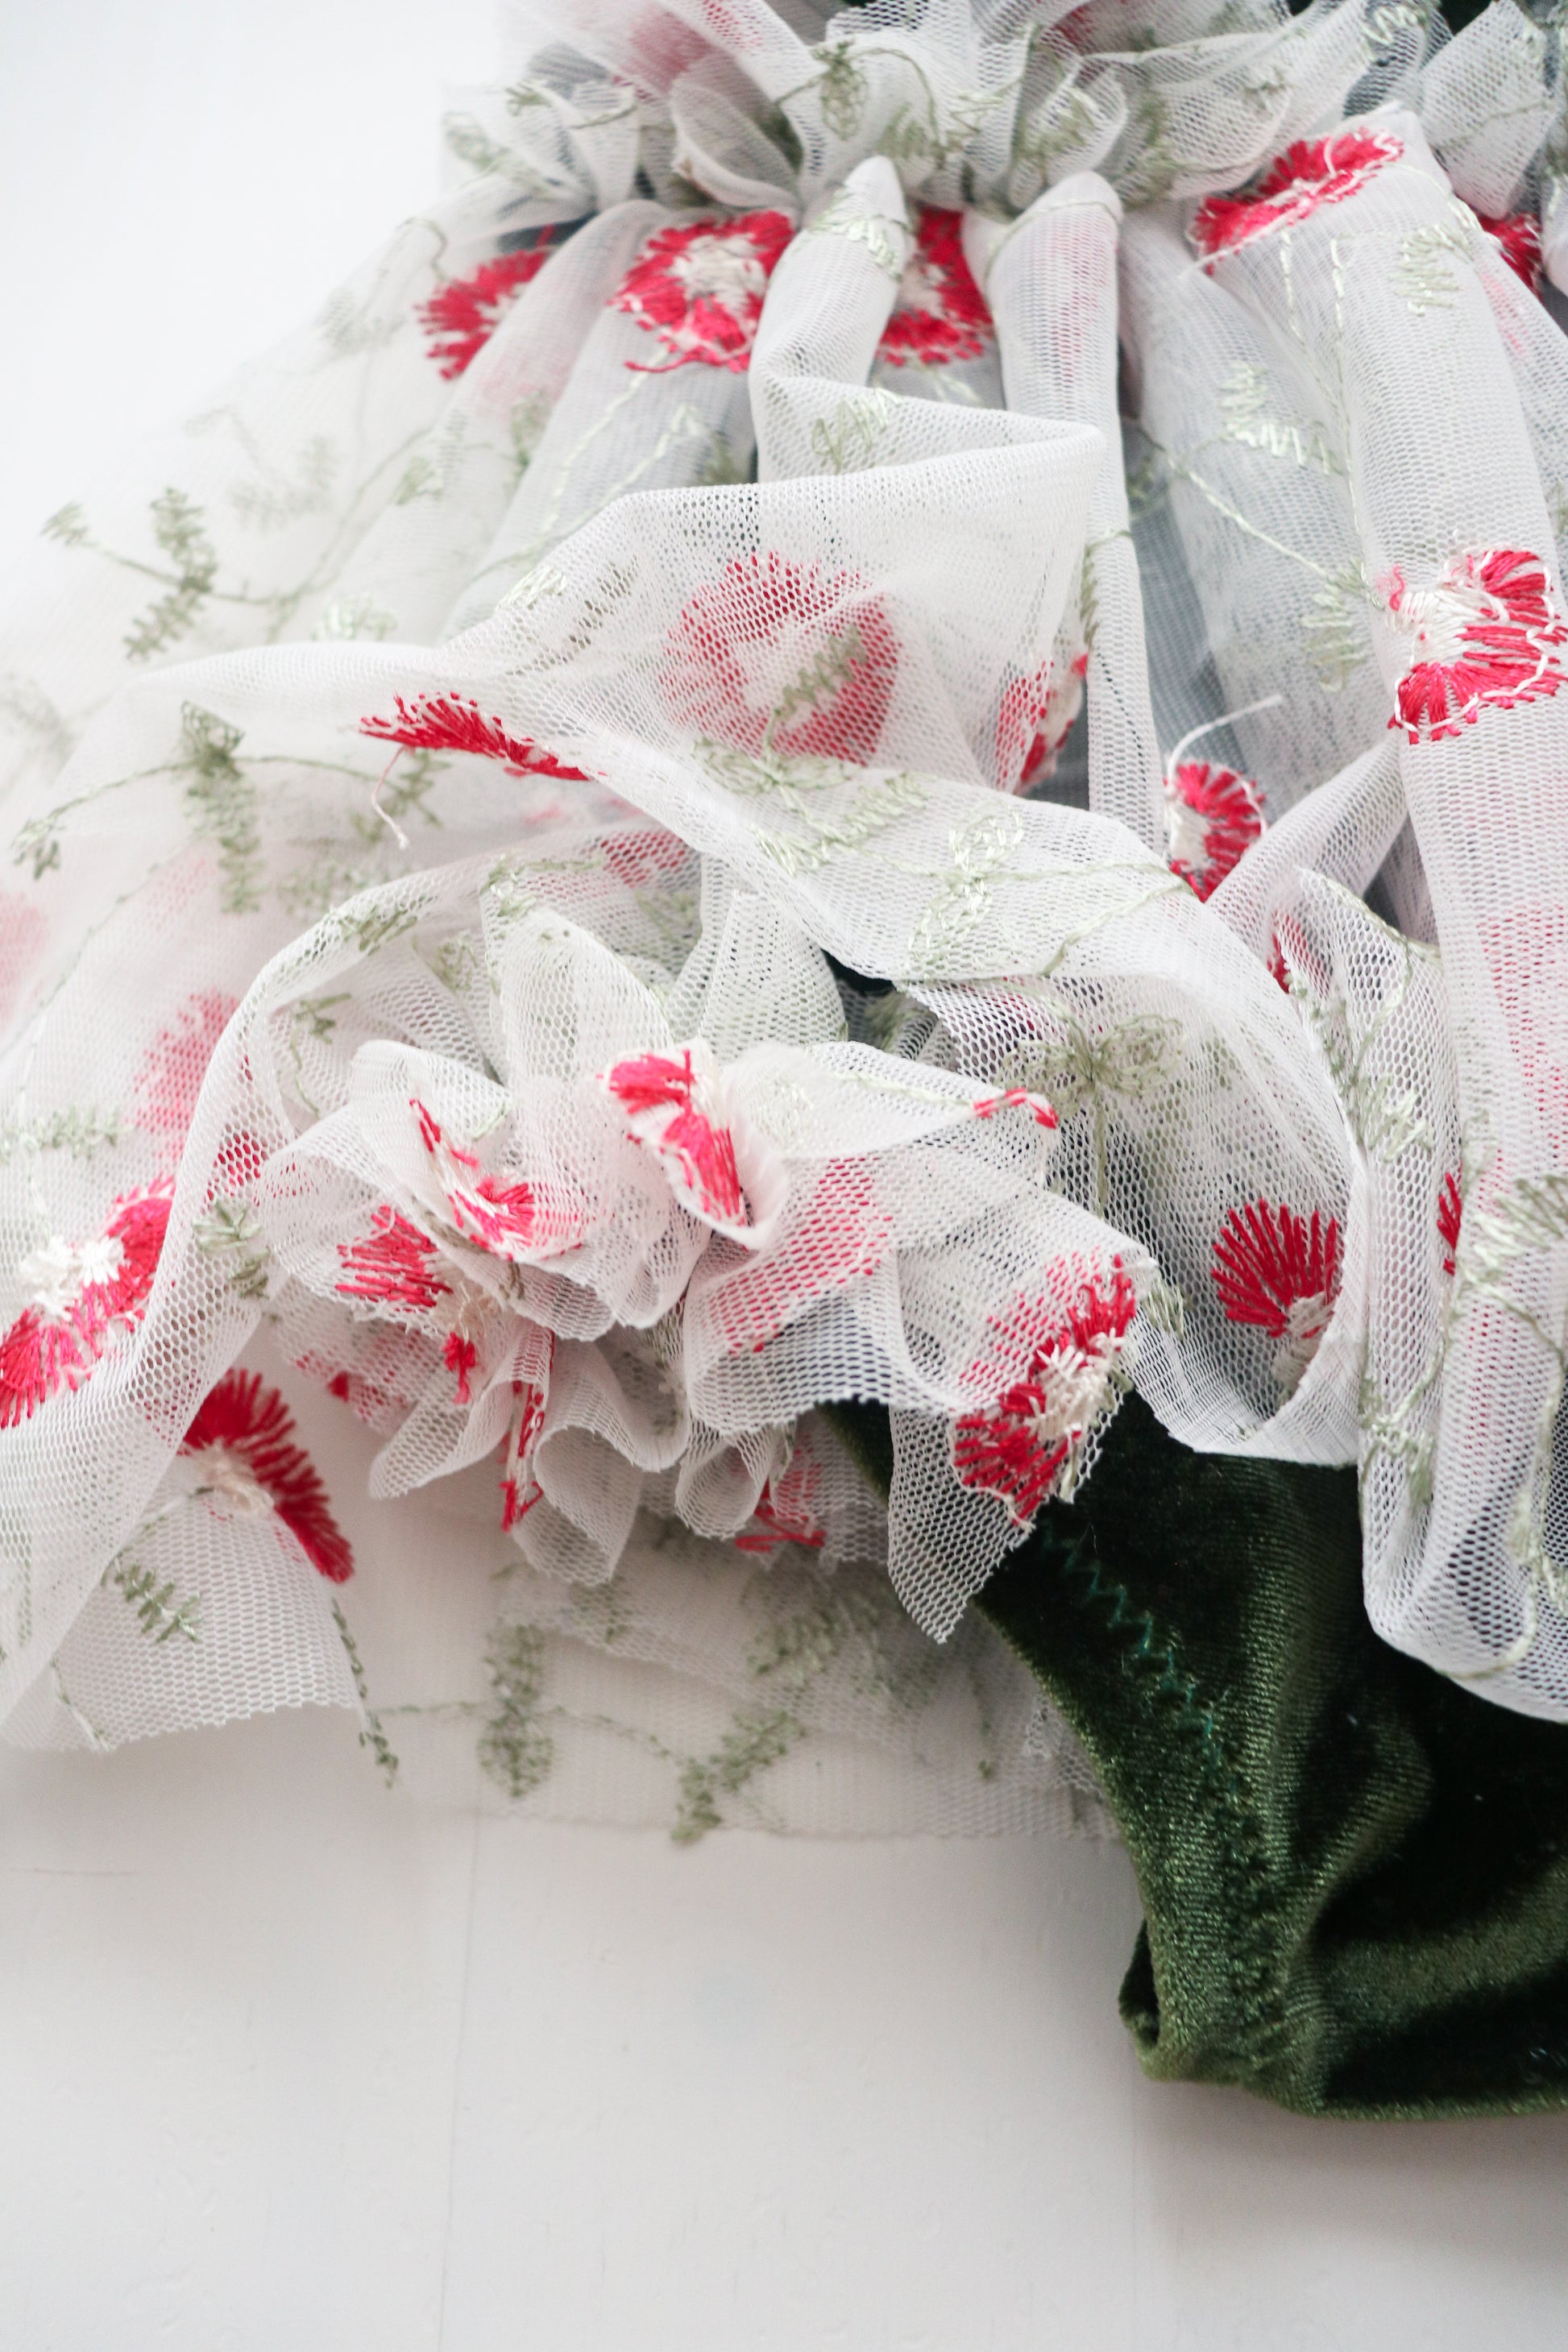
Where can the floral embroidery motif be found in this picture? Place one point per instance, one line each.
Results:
(1517, 236)
(80, 1291)
(1486, 632)
(1212, 817)
(1035, 720)
(509, 1221)
(1451, 1212)
(461, 316)
(1016, 1098)
(393, 1267)
(451, 722)
(1028, 1443)
(163, 1094)
(1281, 1273)
(519, 1488)
(460, 1356)
(662, 1097)
(783, 1512)
(773, 656)
(243, 1440)
(941, 314)
(1314, 172)
(699, 289)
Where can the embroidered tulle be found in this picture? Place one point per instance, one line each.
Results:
(614, 849)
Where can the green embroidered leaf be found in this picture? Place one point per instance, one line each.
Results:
(752, 1743)
(841, 88)
(160, 1616)
(514, 1748)
(1422, 275)
(272, 505)
(1333, 630)
(67, 524)
(79, 1132)
(179, 529)
(230, 1231)
(222, 800)
(1246, 403)
(371, 1735)
(851, 438)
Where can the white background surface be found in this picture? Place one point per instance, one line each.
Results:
(288, 2066)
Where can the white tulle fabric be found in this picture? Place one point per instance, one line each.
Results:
(654, 826)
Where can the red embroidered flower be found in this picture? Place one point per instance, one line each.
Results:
(510, 1221)
(1313, 172)
(452, 722)
(1517, 236)
(393, 1266)
(243, 1440)
(1035, 720)
(1277, 969)
(460, 1356)
(1450, 1213)
(774, 657)
(700, 289)
(1027, 1443)
(1212, 817)
(461, 316)
(941, 313)
(784, 1512)
(80, 1291)
(661, 1097)
(1290, 950)
(1017, 1098)
(164, 1092)
(1281, 1273)
(519, 1488)
(1486, 632)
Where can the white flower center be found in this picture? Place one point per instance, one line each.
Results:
(229, 1482)
(56, 1275)
(1074, 1384)
(724, 270)
(920, 289)
(1305, 1320)
(1441, 619)
(1187, 830)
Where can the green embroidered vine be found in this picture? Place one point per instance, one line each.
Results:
(371, 1735)
(154, 1605)
(230, 1231)
(222, 801)
(513, 1748)
(753, 1742)
(179, 530)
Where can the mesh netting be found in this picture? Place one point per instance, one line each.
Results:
(878, 720)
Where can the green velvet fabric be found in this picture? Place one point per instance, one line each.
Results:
(1354, 1874)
